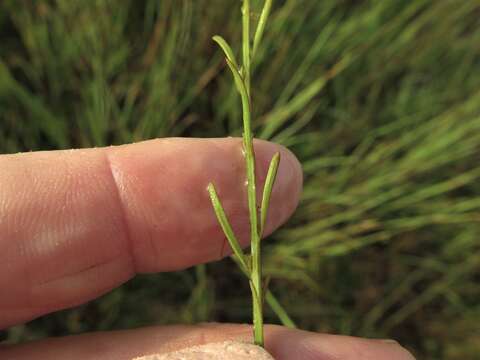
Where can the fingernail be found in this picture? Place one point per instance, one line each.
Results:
(390, 341)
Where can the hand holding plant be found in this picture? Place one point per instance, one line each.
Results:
(120, 222)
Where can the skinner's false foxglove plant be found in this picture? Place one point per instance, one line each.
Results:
(251, 265)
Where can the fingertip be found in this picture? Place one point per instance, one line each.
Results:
(165, 189)
(281, 343)
(286, 344)
(68, 216)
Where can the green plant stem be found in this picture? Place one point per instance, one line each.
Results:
(253, 269)
(256, 274)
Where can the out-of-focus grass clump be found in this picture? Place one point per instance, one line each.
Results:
(379, 99)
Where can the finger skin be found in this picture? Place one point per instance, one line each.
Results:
(75, 224)
(282, 343)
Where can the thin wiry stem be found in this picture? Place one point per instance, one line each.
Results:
(256, 275)
(253, 268)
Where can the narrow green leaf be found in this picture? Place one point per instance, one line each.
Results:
(246, 43)
(239, 83)
(278, 309)
(267, 190)
(246, 260)
(267, 7)
(227, 228)
(227, 50)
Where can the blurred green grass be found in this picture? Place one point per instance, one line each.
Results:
(380, 100)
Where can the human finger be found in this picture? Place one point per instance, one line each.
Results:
(282, 343)
(74, 224)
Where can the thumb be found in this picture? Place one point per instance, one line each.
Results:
(282, 343)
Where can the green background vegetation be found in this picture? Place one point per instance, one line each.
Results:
(380, 100)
